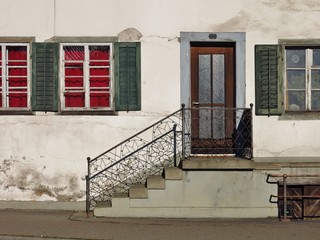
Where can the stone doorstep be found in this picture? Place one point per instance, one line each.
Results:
(156, 182)
(242, 164)
(216, 164)
(138, 191)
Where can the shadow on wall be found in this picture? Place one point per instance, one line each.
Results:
(24, 182)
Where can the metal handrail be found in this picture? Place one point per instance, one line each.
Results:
(174, 131)
(139, 149)
(133, 136)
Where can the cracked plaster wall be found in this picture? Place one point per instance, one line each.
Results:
(43, 157)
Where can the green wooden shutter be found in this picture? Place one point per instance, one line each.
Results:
(45, 77)
(127, 76)
(268, 80)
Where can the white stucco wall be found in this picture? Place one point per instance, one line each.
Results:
(43, 157)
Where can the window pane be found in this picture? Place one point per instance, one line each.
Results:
(296, 79)
(74, 99)
(99, 77)
(18, 98)
(17, 55)
(316, 58)
(99, 98)
(99, 55)
(295, 58)
(99, 63)
(315, 100)
(17, 76)
(296, 100)
(315, 79)
(73, 53)
(73, 75)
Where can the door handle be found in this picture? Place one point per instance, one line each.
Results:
(195, 103)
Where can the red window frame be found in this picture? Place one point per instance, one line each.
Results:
(86, 76)
(14, 65)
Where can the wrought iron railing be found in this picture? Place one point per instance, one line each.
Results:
(131, 161)
(219, 131)
(203, 130)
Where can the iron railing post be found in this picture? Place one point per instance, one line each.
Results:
(285, 197)
(175, 144)
(88, 188)
(251, 130)
(183, 123)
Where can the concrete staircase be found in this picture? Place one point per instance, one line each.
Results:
(123, 205)
(194, 193)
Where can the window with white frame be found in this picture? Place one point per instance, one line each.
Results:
(86, 76)
(14, 76)
(302, 79)
(70, 76)
(287, 78)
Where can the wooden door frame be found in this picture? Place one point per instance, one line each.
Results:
(213, 145)
(230, 82)
(187, 38)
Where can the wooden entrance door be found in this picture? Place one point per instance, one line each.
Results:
(212, 92)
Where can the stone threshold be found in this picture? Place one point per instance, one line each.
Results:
(233, 163)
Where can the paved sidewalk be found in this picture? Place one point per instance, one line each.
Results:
(53, 225)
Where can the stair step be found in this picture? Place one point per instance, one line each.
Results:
(121, 195)
(138, 191)
(104, 204)
(120, 201)
(173, 173)
(156, 182)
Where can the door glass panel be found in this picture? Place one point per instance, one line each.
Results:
(218, 116)
(205, 127)
(211, 90)
(218, 78)
(212, 123)
(204, 79)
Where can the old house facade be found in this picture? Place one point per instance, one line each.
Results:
(78, 77)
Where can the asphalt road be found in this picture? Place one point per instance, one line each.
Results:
(53, 225)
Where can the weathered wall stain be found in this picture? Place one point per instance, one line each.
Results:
(6, 165)
(282, 18)
(21, 181)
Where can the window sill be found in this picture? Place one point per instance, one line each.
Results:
(15, 112)
(290, 115)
